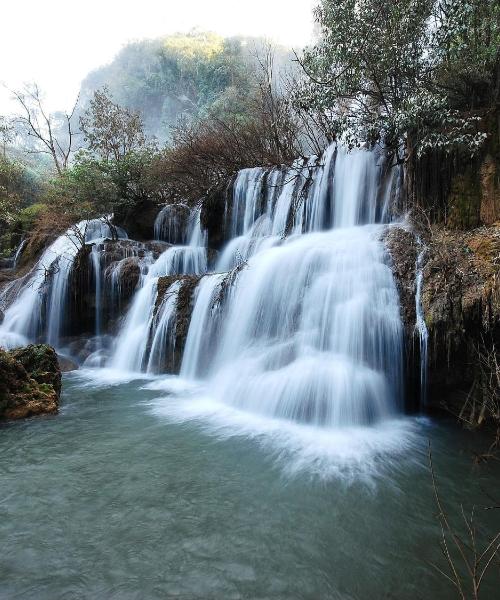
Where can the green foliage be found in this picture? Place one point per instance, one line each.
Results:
(466, 49)
(95, 187)
(20, 186)
(11, 188)
(408, 72)
(180, 75)
(27, 217)
(110, 130)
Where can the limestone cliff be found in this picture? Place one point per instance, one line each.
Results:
(461, 304)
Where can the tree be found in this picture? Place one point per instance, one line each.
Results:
(396, 71)
(7, 133)
(53, 134)
(110, 130)
(11, 183)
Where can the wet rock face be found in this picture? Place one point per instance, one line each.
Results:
(456, 190)
(184, 309)
(403, 250)
(213, 214)
(461, 304)
(30, 382)
(119, 259)
(138, 220)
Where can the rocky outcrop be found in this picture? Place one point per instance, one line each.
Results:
(461, 304)
(213, 215)
(30, 382)
(138, 220)
(120, 266)
(403, 248)
(184, 309)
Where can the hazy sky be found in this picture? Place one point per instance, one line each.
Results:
(57, 42)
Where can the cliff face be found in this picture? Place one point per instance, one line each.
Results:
(461, 305)
(454, 189)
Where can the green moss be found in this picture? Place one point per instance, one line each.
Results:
(30, 381)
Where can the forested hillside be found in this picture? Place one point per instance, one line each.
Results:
(183, 75)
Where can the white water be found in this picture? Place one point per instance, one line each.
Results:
(310, 330)
(300, 320)
(420, 323)
(95, 258)
(39, 310)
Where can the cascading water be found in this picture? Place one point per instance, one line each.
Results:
(172, 224)
(310, 330)
(133, 341)
(300, 318)
(163, 340)
(18, 253)
(95, 258)
(38, 311)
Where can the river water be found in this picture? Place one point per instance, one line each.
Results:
(146, 489)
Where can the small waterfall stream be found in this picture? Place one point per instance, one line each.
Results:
(420, 324)
(38, 312)
(132, 343)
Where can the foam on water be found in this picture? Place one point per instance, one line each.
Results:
(349, 453)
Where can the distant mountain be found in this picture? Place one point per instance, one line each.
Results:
(182, 75)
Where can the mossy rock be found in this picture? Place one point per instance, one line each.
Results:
(40, 361)
(30, 382)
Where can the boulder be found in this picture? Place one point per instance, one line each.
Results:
(40, 361)
(30, 382)
(138, 220)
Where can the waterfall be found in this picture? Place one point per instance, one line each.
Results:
(37, 313)
(17, 253)
(299, 319)
(132, 346)
(420, 324)
(309, 328)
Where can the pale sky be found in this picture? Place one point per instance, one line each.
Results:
(57, 42)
